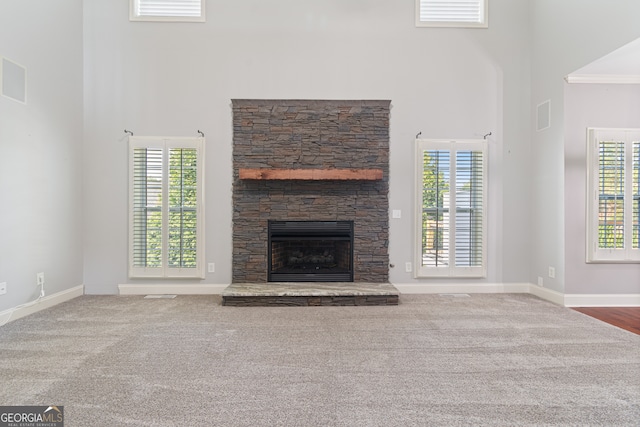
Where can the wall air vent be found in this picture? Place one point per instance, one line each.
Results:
(543, 116)
(13, 80)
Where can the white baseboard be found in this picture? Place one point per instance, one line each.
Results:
(172, 289)
(602, 300)
(48, 301)
(547, 294)
(461, 288)
(565, 300)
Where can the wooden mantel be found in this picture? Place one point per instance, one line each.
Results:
(311, 174)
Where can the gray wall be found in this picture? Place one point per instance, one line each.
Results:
(593, 105)
(567, 35)
(41, 150)
(172, 79)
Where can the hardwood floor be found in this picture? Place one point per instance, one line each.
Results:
(623, 317)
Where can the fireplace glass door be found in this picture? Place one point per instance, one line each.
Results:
(310, 251)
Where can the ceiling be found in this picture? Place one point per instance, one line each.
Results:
(620, 66)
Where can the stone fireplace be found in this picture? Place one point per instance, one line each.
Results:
(312, 162)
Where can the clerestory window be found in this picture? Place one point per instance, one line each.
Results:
(452, 13)
(167, 10)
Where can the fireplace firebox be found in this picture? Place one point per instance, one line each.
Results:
(310, 251)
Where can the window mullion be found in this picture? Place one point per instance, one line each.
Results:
(453, 211)
(165, 208)
(628, 199)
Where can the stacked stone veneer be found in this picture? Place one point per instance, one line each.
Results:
(297, 134)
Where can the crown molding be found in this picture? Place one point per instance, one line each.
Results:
(631, 79)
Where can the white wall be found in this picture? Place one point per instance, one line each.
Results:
(173, 79)
(40, 150)
(567, 35)
(593, 105)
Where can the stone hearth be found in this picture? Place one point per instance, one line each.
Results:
(309, 294)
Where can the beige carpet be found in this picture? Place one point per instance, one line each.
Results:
(494, 360)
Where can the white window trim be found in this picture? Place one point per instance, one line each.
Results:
(483, 23)
(164, 271)
(451, 270)
(594, 254)
(135, 16)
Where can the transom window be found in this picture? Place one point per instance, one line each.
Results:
(167, 10)
(613, 198)
(452, 13)
(451, 183)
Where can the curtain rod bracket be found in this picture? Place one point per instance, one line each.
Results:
(418, 134)
(485, 137)
(201, 133)
(129, 132)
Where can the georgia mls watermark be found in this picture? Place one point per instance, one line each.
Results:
(31, 416)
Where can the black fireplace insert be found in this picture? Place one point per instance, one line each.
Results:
(310, 251)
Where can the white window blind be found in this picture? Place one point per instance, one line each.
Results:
(451, 178)
(613, 203)
(167, 10)
(166, 207)
(452, 13)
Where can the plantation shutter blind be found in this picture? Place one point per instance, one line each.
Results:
(451, 10)
(183, 213)
(169, 8)
(436, 168)
(636, 195)
(147, 207)
(468, 224)
(611, 178)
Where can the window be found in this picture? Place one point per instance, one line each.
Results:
(167, 10)
(166, 207)
(613, 195)
(452, 187)
(452, 13)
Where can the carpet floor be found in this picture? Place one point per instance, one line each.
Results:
(433, 360)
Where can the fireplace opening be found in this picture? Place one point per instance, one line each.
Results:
(310, 251)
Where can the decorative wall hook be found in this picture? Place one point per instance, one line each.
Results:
(201, 133)
(129, 132)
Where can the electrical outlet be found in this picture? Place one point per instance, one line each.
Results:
(3, 288)
(540, 281)
(212, 267)
(396, 213)
(407, 267)
(40, 281)
(552, 272)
